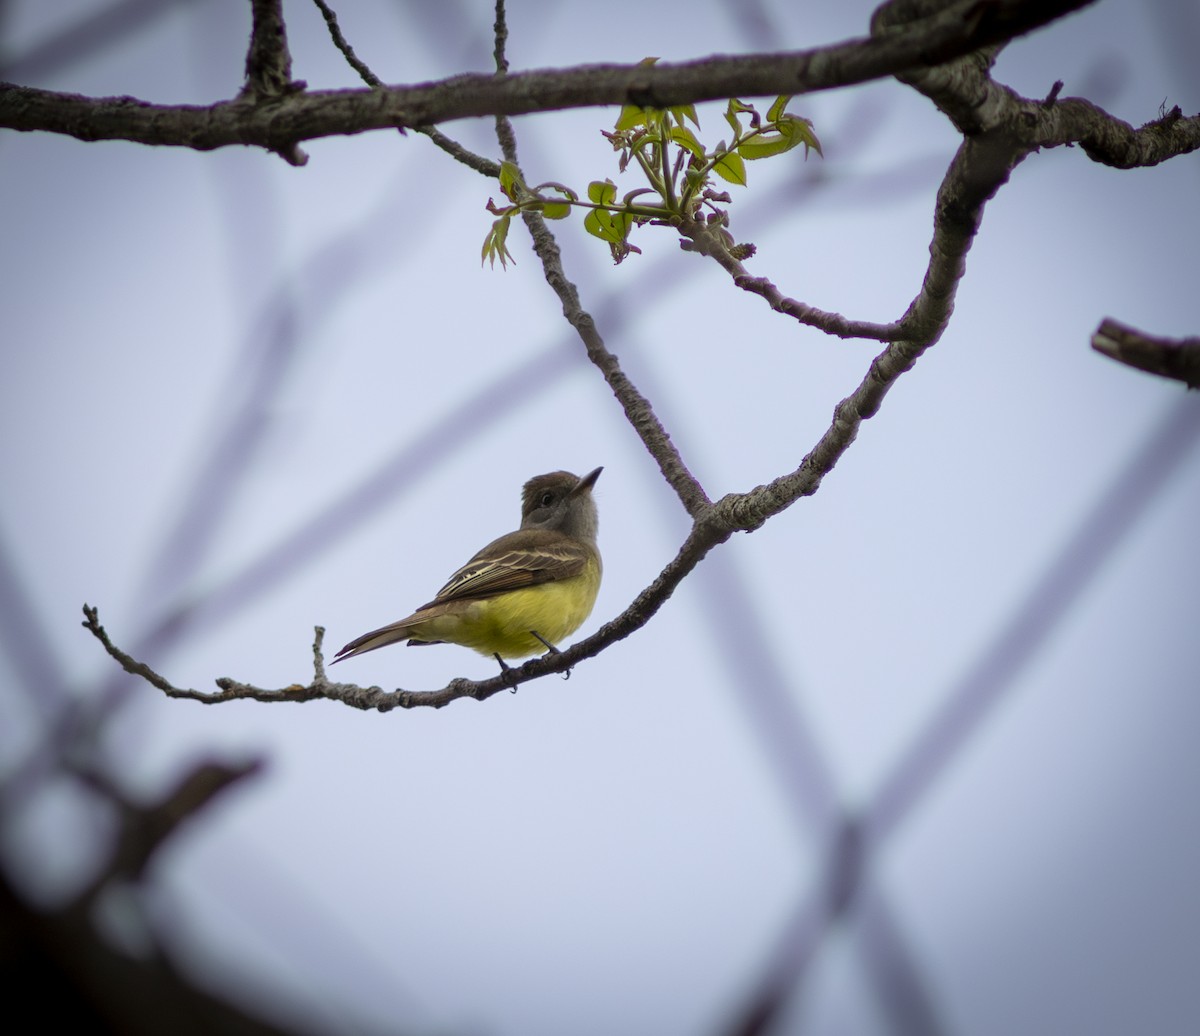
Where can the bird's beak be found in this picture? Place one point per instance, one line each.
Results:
(584, 485)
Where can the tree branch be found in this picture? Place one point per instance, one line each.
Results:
(1177, 358)
(269, 67)
(342, 44)
(976, 103)
(1113, 142)
(454, 149)
(714, 242)
(268, 61)
(705, 534)
(279, 123)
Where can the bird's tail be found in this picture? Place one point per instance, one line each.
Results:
(381, 637)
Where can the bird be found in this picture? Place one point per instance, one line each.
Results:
(522, 593)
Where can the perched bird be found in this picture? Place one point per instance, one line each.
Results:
(522, 593)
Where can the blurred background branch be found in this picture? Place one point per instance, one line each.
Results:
(784, 791)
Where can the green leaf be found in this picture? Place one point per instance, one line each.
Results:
(557, 209)
(494, 246)
(510, 180)
(732, 169)
(685, 138)
(631, 117)
(793, 131)
(647, 140)
(686, 112)
(764, 146)
(599, 223)
(776, 110)
(602, 192)
(732, 110)
(803, 130)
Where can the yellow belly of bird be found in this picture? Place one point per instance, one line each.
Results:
(505, 624)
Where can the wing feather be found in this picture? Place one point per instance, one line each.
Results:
(520, 559)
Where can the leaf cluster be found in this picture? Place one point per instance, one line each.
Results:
(679, 170)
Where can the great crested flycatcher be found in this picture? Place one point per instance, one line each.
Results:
(523, 592)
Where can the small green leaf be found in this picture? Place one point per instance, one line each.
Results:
(602, 192)
(802, 129)
(599, 223)
(793, 131)
(764, 146)
(494, 246)
(732, 169)
(686, 112)
(732, 110)
(510, 180)
(776, 110)
(631, 117)
(646, 141)
(685, 138)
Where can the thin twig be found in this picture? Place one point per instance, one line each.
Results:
(455, 150)
(500, 34)
(342, 44)
(709, 241)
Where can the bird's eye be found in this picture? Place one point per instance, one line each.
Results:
(547, 499)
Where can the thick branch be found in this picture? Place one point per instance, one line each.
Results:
(1110, 141)
(268, 61)
(1177, 358)
(285, 120)
(976, 103)
(269, 68)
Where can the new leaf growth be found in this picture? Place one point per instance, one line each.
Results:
(676, 165)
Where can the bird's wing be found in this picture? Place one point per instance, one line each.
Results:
(523, 558)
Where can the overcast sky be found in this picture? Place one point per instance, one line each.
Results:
(241, 399)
